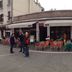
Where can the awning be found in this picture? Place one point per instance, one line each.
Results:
(59, 23)
(21, 25)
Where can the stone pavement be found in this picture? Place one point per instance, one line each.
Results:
(37, 62)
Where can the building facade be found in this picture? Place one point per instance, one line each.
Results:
(22, 7)
(5, 14)
(10, 8)
(54, 24)
(5, 11)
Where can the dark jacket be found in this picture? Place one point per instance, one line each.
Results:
(21, 37)
(12, 40)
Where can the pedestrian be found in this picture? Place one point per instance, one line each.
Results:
(12, 42)
(22, 42)
(27, 42)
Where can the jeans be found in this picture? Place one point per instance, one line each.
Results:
(26, 51)
(22, 47)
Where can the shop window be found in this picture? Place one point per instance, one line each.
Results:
(1, 18)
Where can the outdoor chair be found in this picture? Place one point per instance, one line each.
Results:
(6, 41)
(39, 46)
(42, 45)
(53, 45)
(56, 45)
(59, 45)
(46, 45)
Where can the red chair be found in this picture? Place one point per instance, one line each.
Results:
(53, 45)
(60, 44)
(39, 45)
(36, 45)
(6, 41)
(46, 44)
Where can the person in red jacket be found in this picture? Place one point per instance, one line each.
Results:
(27, 42)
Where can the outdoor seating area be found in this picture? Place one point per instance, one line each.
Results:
(49, 45)
(42, 45)
(5, 41)
(53, 46)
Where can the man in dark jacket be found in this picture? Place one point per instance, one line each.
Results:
(12, 42)
(21, 39)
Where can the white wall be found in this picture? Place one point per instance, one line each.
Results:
(22, 7)
(34, 7)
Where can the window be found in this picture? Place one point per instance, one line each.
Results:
(9, 15)
(9, 3)
(1, 18)
(1, 5)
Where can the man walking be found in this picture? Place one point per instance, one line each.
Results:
(21, 39)
(12, 42)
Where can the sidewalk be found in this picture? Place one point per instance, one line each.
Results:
(37, 62)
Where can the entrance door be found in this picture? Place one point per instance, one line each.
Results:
(43, 33)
